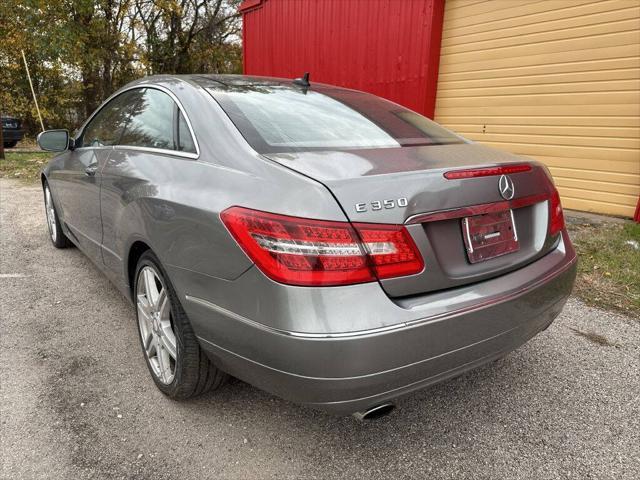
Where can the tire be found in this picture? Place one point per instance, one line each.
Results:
(165, 331)
(57, 236)
(11, 144)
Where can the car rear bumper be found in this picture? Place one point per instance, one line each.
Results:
(346, 372)
(11, 135)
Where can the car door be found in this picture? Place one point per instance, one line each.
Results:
(155, 138)
(78, 182)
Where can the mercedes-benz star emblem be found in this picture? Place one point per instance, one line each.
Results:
(505, 185)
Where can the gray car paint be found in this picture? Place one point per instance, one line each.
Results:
(416, 173)
(338, 348)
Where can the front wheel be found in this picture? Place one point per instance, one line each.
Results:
(57, 236)
(178, 366)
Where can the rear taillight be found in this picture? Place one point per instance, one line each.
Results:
(300, 251)
(390, 249)
(556, 222)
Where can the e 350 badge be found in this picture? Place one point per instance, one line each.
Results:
(380, 204)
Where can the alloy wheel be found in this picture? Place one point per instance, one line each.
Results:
(51, 213)
(156, 329)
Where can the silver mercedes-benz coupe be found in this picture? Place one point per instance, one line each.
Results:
(323, 244)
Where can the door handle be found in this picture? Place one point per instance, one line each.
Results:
(91, 170)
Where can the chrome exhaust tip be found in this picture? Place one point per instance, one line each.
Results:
(374, 413)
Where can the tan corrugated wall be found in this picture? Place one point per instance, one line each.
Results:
(556, 80)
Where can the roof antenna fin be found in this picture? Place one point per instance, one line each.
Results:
(303, 81)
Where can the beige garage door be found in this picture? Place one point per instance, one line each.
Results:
(557, 80)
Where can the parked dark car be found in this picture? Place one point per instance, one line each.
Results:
(12, 131)
(324, 244)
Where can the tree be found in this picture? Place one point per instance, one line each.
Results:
(22, 27)
(179, 34)
(81, 51)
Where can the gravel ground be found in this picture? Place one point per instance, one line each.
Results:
(78, 402)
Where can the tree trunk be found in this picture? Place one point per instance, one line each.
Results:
(107, 80)
(112, 48)
(90, 90)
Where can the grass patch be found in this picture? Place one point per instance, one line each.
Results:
(25, 166)
(609, 264)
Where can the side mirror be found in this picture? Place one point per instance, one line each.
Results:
(54, 140)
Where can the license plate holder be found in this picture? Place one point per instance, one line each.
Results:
(489, 235)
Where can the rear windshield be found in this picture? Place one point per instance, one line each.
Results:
(277, 119)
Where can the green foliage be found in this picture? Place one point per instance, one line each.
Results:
(609, 268)
(25, 166)
(81, 51)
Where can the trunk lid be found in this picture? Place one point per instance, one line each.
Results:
(404, 185)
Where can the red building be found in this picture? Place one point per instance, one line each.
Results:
(553, 80)
(391, 49)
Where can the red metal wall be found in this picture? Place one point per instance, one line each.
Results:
(387, 47)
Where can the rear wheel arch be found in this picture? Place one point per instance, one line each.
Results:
(136, 251)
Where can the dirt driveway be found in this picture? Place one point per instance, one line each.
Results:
(77, 401)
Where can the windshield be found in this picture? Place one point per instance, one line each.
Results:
(277, 119)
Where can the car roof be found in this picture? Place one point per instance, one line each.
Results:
(238, 80)
(221, 83)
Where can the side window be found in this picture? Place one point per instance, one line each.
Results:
(151, 122)
(184, 140)
(106, 127)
